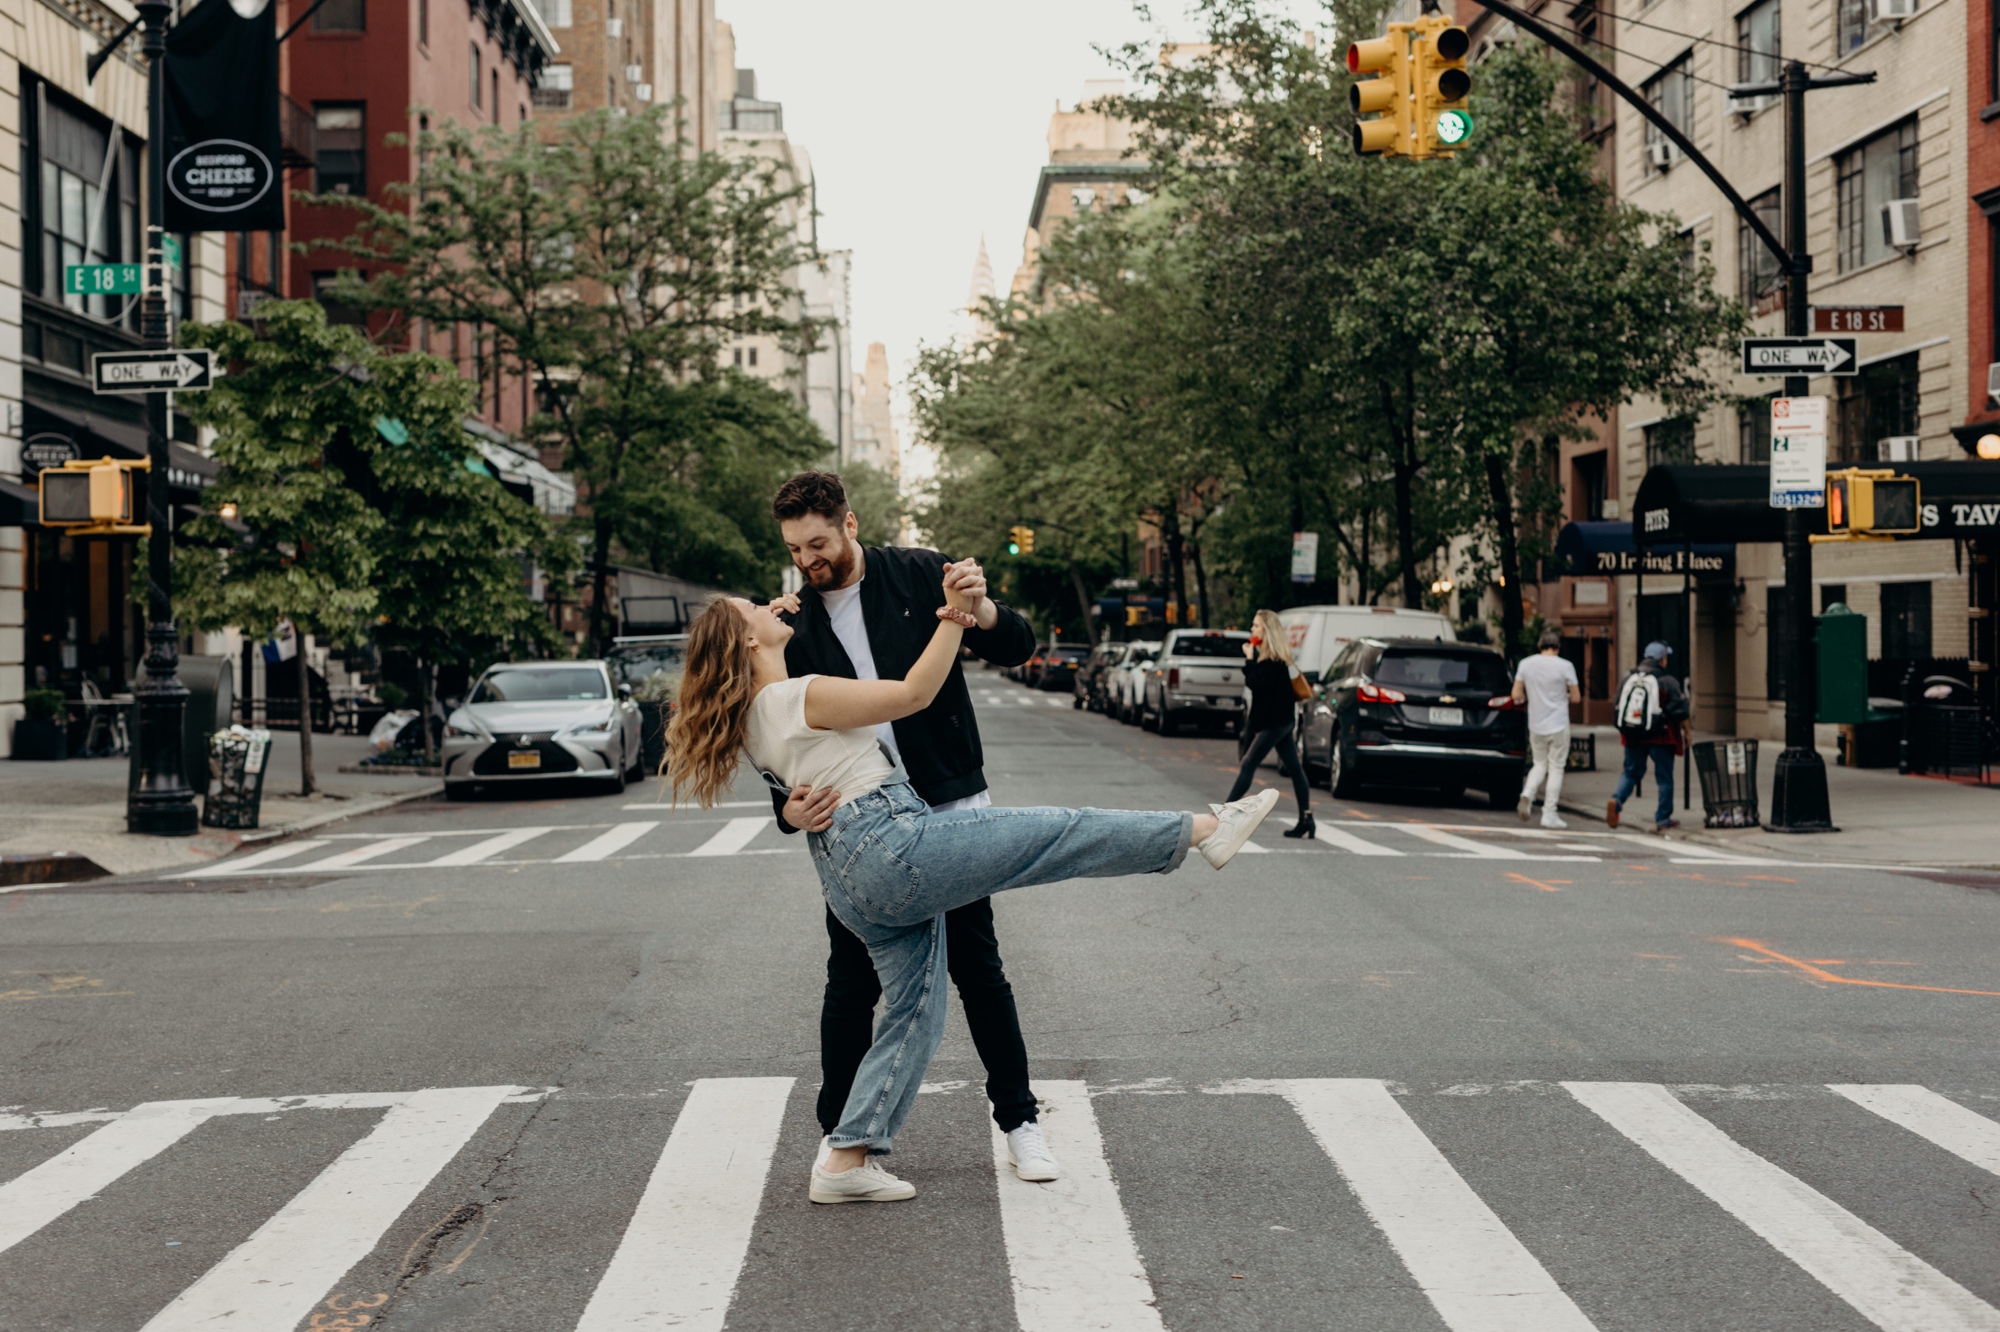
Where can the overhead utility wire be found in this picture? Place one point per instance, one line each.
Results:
(1775, 56)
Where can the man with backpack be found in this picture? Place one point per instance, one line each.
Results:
(1652, 722)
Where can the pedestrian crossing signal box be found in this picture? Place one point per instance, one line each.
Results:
(93, 497)
(1867, 504)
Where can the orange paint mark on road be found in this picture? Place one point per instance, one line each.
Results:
(1818, 973)
(1360, 814)
(1551, 887)
(1771, 878)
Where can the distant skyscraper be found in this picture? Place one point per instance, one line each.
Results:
(976, 325)
(875, 439)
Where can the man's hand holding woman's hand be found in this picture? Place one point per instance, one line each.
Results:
(964, 590)
(811, 810)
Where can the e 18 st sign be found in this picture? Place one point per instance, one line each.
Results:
(1857, 319)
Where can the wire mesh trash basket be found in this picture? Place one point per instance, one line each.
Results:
(1728, 772)
(236, 792)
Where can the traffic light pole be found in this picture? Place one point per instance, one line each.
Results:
(160, 803)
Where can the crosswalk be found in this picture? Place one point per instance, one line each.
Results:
(1073, 1262)
(1020, 698)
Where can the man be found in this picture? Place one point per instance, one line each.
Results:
(1652, 723)
(867, 614)
(1546, 682)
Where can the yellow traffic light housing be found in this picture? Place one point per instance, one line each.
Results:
(1020, 541)
(1418, 99)
(1872, 504)
(92, 497)
(1388, 57)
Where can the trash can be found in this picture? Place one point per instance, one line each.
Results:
(1728, 772)
(237, 794)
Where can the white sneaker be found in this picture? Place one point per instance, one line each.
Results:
(1238, 819)
(867, 1182)
(825, 1150)
(1525, 807)
(1028, 1152)
(1550, 819)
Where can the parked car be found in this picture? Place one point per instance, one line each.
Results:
(1128, 679)
(1318, 633)
(1416, 712)
(1093, 677)
(1060, 665)
(1197, 678)
(1026, 672)
(530, 719)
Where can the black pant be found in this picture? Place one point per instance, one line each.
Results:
(972, 951)
(1288, 761)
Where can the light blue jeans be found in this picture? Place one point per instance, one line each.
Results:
(891, 867)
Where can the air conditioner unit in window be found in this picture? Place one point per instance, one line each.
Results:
(1891, 11)
(1897, 448)
(1993, 381)
(633, 73)
(644, 92)
(1662, 154)
(614, 27)
(1902, 223)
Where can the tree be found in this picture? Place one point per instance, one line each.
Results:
(612, 267)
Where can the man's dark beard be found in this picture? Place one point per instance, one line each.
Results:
(836, 571)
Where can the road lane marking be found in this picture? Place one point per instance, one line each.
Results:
(1477, 1275)
(281, 1273)
(597, 848)
(356, 855)
(1945, 1123)
(1886, 1283)
(1820, 973)
(492, 846)
(720, 804)
(91, 1165)
(253, 861)
(734, 836)
(1438, 836)
(1070, 1252)
(1347, 841)
(676, 1265)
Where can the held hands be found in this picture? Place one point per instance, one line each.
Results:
(964, 591)
(810, 810)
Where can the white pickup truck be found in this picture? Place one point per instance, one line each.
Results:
(1198, 677)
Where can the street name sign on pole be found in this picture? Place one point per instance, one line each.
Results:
(1799, 356)
(171, 370)
(1305, 556)
(103, 279)
(1857, 319)
(1798, 453)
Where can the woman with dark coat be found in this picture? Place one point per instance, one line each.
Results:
(1273, 711)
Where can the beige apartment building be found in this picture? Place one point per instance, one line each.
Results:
(1088, 171)
(632, 54)
(1896, 147)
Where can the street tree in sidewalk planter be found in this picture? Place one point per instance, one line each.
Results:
(614, 269)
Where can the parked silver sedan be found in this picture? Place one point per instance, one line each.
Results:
(529, 719)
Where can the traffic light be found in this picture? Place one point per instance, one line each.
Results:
(1021, 541)
(92, 497)
(1439, 86)
(1865, 504)
(1388, 57)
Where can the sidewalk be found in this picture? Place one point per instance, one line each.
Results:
(1883, 817)
(78, 806)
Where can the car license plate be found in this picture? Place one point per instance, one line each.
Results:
(1447, 716)
(532, 758)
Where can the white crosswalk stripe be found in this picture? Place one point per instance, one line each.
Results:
(356, 855)
(257, 859)
(609, 843)
(679, 1258)
(489, 847)
(734, 836)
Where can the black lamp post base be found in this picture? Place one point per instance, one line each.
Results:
(1799, 802)
(163, 818)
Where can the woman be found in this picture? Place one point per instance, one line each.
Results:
(890, 867)
(1273, 710)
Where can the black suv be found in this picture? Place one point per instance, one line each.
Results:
(1060, 663)
(1416, 712)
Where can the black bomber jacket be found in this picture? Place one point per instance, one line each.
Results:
(901, 590)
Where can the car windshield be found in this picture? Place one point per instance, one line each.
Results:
(1206, 646)
(633, 662)
(541, 684)
(1437, 670)
(1069, 654)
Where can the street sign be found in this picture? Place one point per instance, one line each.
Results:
(170, 251)
(48, 450)
(1453, 128)
(1857, 319)
(1305, 556)
(103, 279)
(1798, 453)
(170, 371)
(1799, 356)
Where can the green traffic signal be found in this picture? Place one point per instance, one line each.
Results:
(1453, 128)
(1013, 548)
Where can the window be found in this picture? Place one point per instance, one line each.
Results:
(341, 16)
(1851, 26)
(68, 219)
(423, 22)
(737, 357)
(340, 134)
(1832, 594)
(753, 358)
(495, 103)
(1757, 45)
(1587, 489)
(336, 313)
(1870, 176)
(1671, 93)
(1670, 441)
(475, 77)
(555, 13)
(1758, 280)
(1753, 431)
(553, 92)
(1879, 402)
(1906, 621)
(1592, 97)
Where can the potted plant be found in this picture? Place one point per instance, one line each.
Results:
(44, 733)
(655, 696)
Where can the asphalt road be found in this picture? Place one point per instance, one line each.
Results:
(1437, 1070)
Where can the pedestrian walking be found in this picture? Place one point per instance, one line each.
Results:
(1546, 683)
(1652, 723)
(889, 865)
(1276, 688)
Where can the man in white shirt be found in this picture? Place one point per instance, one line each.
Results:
(1546, 682)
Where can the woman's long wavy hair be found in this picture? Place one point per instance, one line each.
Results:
(712, 719)
(1277, 645)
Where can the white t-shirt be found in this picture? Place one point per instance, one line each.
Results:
(1547, 681)
(781, 743)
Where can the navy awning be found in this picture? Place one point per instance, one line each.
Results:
(1602, 549)
(20, 506)
(1700, 502)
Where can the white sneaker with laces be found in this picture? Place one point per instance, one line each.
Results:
(1028, 1152)
(867, 1182)
(1234, 824)
(1552, 820)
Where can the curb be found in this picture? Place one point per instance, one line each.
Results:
(383, 769)
(355, 810)
(1702, 838)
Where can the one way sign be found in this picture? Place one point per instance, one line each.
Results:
(171, 371)
(1799, 356)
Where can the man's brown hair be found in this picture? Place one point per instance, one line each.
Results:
(811, 491)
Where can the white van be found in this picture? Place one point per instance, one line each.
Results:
(1318, 633)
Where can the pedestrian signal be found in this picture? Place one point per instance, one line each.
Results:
(1871, 504)
(92, 497)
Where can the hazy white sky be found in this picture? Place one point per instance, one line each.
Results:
(927, 124)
